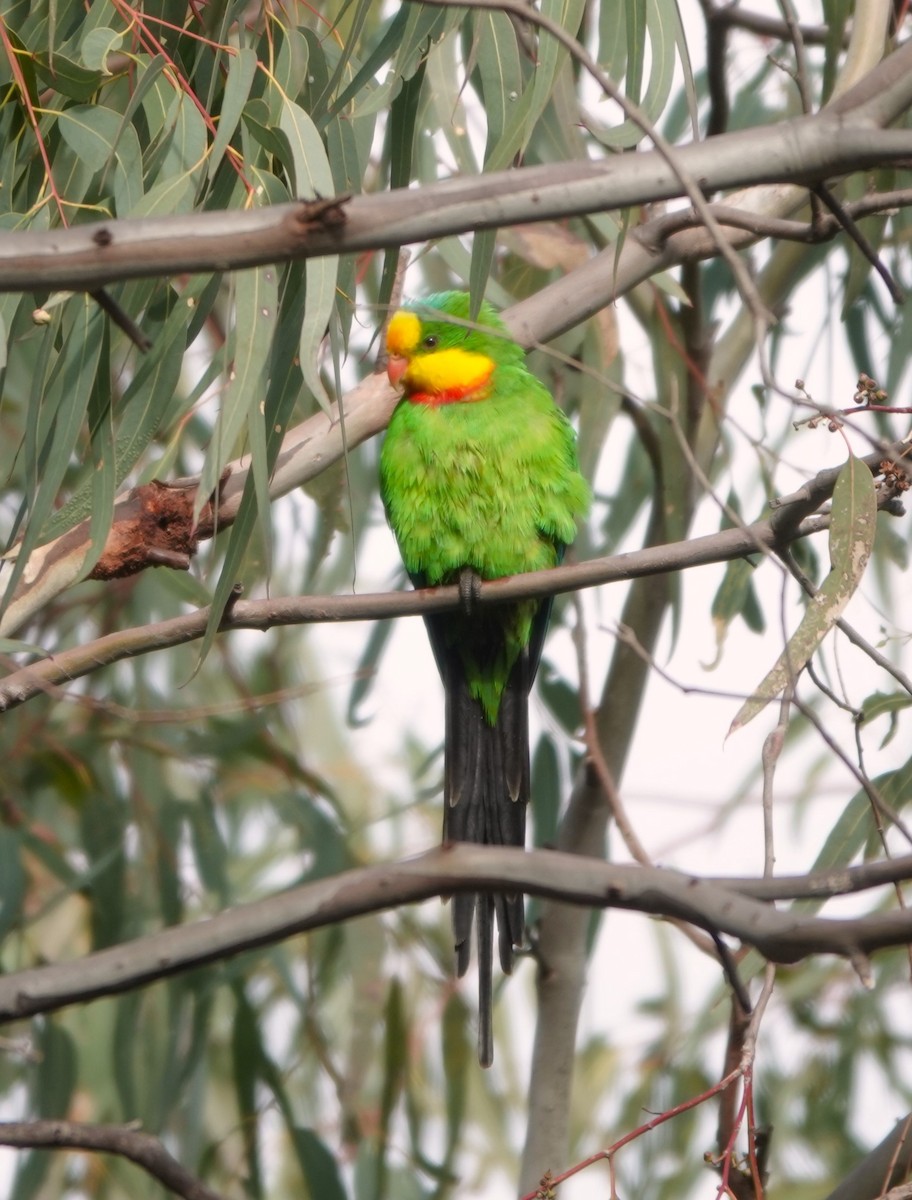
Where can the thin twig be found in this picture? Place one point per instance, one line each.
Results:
(647, 1127)
(596, 760)
(772, 749)
(737, 17)
(712, 945)
(121, 319)
(880, 809)
(797, 39)
(855, 233)
(656, 230)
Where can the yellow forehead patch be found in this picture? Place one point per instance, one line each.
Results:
(403, 334)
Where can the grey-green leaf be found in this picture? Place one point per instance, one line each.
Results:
(851, 540)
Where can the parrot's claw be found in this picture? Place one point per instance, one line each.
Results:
(469, 589)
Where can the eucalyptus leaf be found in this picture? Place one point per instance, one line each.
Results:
(97, 44)
(851, 542)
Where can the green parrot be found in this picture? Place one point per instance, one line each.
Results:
(479, 476)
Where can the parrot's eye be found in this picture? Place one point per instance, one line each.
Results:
(429, 342)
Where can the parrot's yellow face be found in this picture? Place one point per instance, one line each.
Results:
(432, 370)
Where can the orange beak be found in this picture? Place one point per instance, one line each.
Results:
(395, 368)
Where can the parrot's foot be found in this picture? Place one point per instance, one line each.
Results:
(469, 589)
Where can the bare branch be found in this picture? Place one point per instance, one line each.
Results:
(736, 17)
(848, 135)
(858, 237)
(312, 446)
(717, 907)
(127, 1141)
(723, 546)
(658, 229)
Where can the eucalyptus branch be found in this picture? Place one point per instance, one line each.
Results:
(64, 666)
(847, 222)
(656, 230)
(787, 523)
(735, 17)
(716, 907)
(848, 135)
(126, 1141)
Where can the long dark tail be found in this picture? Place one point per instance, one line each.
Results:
(486, 790)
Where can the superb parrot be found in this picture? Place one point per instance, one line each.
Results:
(479, 474)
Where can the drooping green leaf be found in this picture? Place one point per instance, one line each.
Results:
(526, 111)
(401, 130)
(142, 411)
(313, 178)
(366, 671)
(104, 461)
(395, 1062)
(498, 69)
(246, 1058)
(12, 880)
(104, 825)
(318, 1165)
(635, 12)
(255, 304)
(65, 400)
(55, 1069)
(656, 26)
(67, 77)
(836, 15)
(546, 791)
(857, 822)
(241, 73)
(851, 540)
(885, 704)
(458, 1061)
(281, 394)
(53, 1081)
(736, 597)
(405, 41)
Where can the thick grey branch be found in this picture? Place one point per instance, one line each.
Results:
(847, 136)
(719, 908)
